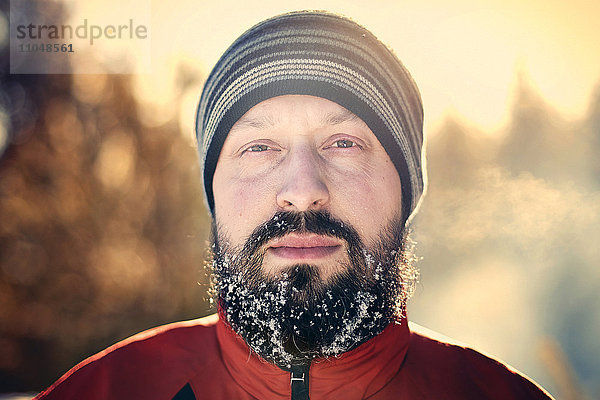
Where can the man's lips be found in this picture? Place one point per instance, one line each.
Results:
(304, 247)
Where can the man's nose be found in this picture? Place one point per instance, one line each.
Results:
(303, 188)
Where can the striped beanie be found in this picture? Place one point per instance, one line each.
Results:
(319, 54)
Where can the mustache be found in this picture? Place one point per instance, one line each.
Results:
(317, 222)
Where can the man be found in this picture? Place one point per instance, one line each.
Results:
(310, 138)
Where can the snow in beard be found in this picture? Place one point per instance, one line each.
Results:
(294, 317)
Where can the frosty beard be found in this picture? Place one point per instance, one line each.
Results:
(294, 316)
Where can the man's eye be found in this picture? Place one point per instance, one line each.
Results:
(256, 148)
(343, 143)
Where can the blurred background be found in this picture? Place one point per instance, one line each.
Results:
(103, 231)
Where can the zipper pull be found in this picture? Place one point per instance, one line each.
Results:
(299, 382)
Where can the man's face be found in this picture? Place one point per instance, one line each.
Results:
(309, 244)
(301, 153)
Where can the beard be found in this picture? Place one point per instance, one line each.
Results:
(294, 316)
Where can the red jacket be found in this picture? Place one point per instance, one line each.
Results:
(208, 357)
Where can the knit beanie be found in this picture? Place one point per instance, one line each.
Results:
(319, 54)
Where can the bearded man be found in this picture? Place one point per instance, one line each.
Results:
(310, 134)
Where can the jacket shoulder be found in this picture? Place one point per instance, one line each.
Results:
(152, 364)
(435, 362)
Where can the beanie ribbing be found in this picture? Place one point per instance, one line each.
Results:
(324, 55)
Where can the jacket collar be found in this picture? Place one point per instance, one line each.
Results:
(358, 373)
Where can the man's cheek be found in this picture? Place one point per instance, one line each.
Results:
(250, 197)
(257, 192)
(354, 195)
(249, 206)
(366, 209)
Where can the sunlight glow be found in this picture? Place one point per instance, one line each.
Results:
(464, 55)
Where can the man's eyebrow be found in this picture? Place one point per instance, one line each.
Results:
(260, 122)
(336, 118)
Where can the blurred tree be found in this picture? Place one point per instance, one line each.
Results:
(592, 130)
(520, 208)
(456, 153)
(540, 141)
(102, 224)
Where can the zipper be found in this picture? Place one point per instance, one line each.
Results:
(299, 381)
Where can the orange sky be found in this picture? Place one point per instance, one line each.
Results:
(464, 54)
